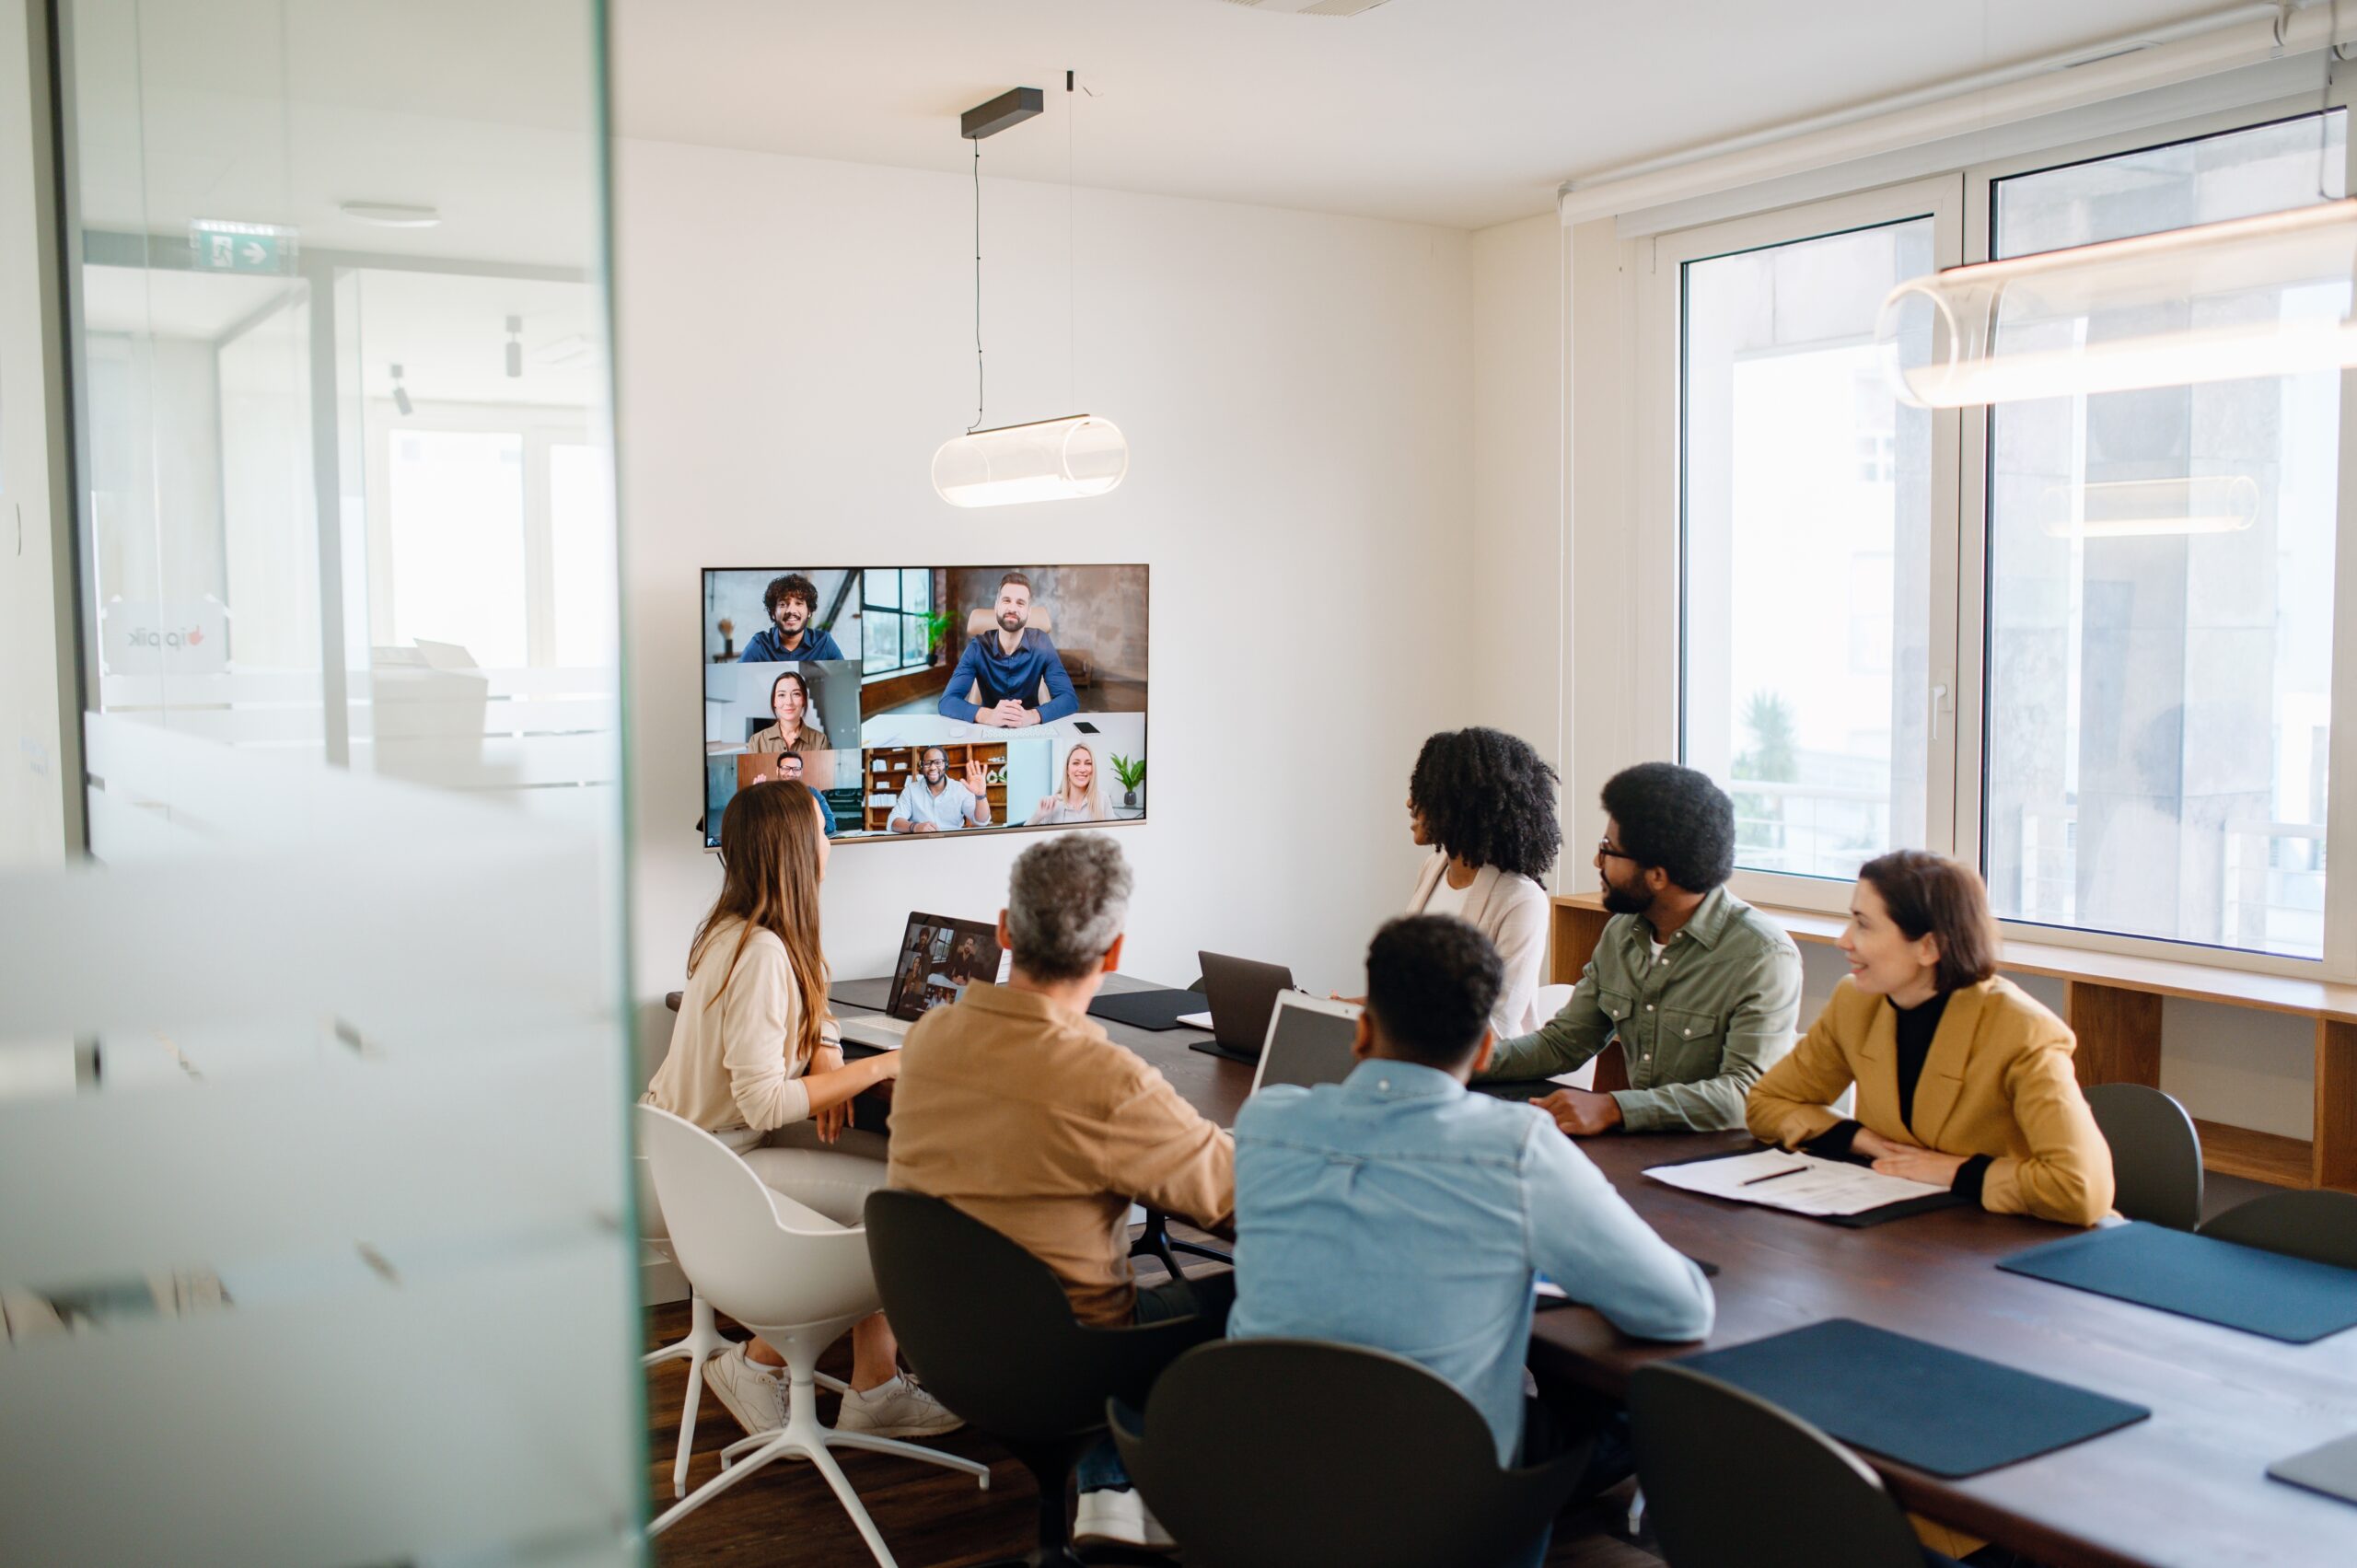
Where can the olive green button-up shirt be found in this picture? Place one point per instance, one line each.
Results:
(1698, 1025)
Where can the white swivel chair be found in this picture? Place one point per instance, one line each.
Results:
(703, 1342)
(791, 1275)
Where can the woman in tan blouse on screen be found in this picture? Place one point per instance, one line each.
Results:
(797, 727)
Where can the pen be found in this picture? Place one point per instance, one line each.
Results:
(1756, 1181)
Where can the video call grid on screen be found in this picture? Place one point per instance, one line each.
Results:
(1035, 675)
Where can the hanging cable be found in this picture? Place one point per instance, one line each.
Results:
(978, 288)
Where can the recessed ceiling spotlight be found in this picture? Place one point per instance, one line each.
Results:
(391, 214)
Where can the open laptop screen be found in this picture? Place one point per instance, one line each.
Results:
(939, 956)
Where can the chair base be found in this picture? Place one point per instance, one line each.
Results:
(702, 1342)
(805, 1437)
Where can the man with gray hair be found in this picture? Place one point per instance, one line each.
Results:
(1016, 1106)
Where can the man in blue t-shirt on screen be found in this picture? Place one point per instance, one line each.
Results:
(1007, 666)
(791, 601)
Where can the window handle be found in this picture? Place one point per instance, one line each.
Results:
(1939, 705)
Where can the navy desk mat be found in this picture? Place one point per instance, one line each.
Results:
(1147, 1009)
(2291, 1299)
(2330, 1469)
(1939, 1411)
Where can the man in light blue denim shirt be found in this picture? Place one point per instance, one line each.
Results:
(1399, 1210)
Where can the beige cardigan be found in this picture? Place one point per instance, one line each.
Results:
(1511, 913)
(731, 1068)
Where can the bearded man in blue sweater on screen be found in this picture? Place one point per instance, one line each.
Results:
(1006, 667)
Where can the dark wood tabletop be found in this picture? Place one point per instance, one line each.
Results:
(2186, 1489)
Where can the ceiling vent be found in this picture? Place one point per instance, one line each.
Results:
(1309, 7)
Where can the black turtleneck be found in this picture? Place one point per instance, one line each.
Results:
(1916, 1028)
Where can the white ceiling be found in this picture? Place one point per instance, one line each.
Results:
(1461, 113)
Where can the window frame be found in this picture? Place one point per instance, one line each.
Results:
(1661, 348)
(900, 612)
(1958, 762)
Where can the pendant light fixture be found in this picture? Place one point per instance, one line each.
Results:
(2253, 296)
(1049, 460)
(2150, 508)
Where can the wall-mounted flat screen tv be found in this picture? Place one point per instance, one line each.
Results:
(922, 700)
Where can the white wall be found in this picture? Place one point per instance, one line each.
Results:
(796, 339)
(1520, 550)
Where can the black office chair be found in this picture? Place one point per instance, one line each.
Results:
(990, 1332)
(1275, 1452)
(1733, 1481)
(1155, 1241)
(2319, 1225)
(2156, 1154)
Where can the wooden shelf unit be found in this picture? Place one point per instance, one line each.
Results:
(901, 765)
(2112, 1001)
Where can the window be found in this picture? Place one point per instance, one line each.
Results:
(455, 503)
(2085, 643)
(1804, 483)
(894, 617)
(2159, 664)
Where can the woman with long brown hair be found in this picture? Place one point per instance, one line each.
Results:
(755, 1061)
(795, 709)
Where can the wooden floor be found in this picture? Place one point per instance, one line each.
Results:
(785, 1516)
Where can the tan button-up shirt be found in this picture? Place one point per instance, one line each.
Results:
(1029, 1117)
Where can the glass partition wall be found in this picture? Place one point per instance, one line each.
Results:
(316, 1233)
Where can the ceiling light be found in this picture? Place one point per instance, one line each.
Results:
(391, 214)
(2255, 297)
(2150, 508)
(1047, 460)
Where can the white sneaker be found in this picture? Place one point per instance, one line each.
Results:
(754, 1394)
(1118, 1516)
(897, 1408)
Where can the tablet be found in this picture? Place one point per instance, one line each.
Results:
(1308, 1041)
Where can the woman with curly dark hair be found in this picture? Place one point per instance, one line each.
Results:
(1485, 802)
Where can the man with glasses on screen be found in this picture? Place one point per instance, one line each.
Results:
(932, 801)
(791, 601)
(1007, 668)
(789, 766)
(1700, 989)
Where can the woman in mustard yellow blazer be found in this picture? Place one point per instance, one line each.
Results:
(1963, 1080)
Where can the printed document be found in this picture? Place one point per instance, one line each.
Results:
(1801, 1183)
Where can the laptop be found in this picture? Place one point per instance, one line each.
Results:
(939, 956)
(1243, 994)
(1308, 1041)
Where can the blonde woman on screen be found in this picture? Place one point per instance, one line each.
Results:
(755, 1062)
(797, 727)
(1082, 799)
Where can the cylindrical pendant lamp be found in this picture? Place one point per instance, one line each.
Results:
(2266, 295)
(1049, 460)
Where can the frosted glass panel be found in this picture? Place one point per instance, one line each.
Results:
(316, 1230)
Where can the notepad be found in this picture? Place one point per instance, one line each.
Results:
(1802, 1184)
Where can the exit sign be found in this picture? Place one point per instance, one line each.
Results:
(224, 246)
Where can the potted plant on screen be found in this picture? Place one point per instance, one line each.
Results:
(1131, 775)
(936, 632)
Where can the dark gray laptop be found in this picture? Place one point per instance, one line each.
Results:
(1242, 995)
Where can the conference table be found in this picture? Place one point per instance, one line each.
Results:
(2186, 1489)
